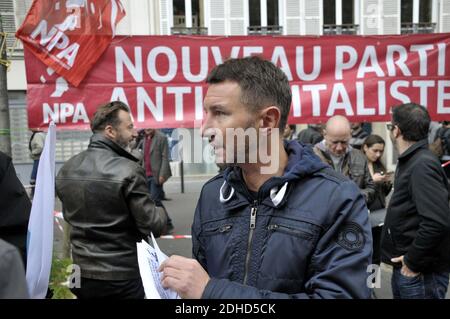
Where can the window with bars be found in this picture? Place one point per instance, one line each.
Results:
(416, 16)
(264, 19)
(338, 17)
(180, 16)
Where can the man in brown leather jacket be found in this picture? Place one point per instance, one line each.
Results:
(335, 151)
(107, 203)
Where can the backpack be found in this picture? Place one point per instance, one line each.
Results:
(31, 140)
(441, 145)
(445, 139)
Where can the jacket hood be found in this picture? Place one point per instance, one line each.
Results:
(302, 162)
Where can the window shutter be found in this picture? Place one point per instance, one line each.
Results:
(292, 18)
(391, 17)
(237, 20)
(216, 17)
(371, 17)
(166, 16)
(313, 17)
(444, 16)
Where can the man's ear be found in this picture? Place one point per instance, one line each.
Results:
(110, 132)
(396, 131)
(270, 117)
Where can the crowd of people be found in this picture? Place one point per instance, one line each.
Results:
(303, 230)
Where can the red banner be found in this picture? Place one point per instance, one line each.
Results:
(162, 78)
(70, 35)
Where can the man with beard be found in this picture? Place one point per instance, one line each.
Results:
(416, 231)
(107, 203)
(277, 223)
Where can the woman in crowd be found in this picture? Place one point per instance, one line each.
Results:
(373, 148)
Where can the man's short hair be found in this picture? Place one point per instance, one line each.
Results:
(413, 121)
(262, 84)
(108, 115)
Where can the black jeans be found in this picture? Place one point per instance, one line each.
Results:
(115, 289)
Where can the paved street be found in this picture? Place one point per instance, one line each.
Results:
(181, 208)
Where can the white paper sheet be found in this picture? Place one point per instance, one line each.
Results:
(149, 259)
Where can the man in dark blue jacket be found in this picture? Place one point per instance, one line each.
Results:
(278, 223)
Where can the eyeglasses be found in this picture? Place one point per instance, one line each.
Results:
(390, 126)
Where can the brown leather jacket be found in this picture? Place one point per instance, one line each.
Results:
(107, 203)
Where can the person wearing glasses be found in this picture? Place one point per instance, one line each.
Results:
(335, 151)
(416, 232)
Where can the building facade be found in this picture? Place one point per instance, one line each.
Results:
(226, 17)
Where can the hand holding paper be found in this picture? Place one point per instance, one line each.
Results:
(185, 276)
(150, 259)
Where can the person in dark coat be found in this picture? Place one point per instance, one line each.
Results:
(416, 232)
(286, 226)
(154, 148)
(104, 193)
(15, 207)
(373, 148)
(358, 135)
(313, 134)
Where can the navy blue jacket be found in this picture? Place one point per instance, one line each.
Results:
(306, 235)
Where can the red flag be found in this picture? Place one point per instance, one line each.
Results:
(70, 35)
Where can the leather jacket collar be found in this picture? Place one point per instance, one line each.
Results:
(100, 141)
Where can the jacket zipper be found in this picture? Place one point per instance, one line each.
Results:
(250, 238)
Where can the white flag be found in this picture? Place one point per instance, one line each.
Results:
(40, 226)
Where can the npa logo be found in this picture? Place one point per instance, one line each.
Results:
(70, 35)
(57, 39)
